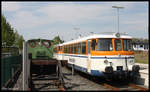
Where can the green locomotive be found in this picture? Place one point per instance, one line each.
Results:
(40, 49)
(42, 64)
(40, 53)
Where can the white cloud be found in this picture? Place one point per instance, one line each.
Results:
(72, 12)
(10, 6)
(29, 17)
(26, 19)
(136, 21)
(66, 13)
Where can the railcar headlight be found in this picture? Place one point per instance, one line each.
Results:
(131, 61)
(106, 62)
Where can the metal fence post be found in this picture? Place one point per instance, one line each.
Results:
(24, 66)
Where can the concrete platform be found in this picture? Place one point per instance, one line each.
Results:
(144, 72)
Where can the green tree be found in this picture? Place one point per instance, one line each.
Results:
(57, 40)
(8, 36)
(140, 40)
(20, 42)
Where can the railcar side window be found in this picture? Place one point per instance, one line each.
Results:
(75, 47)
(79, 48)
(93, 44)
(68, 48)
(60, 48)
(104, 45)
(127, 46)
(83, 47)
(64, 49)
(71, 48)
(118, 45)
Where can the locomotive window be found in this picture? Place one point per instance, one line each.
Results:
(127, 46)
(32, 44)
(118, 45)
(39, 43)
(45, 43)
(83, 47)
(104, 45)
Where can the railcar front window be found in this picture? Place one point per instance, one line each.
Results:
(104, 45)
(127, 46)
(118, 45)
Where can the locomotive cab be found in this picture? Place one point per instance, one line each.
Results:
(40, 53)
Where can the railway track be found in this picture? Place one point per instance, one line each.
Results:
(112, 85)
(129, 87)
(47, 79)
(79, 81)
(43, 83)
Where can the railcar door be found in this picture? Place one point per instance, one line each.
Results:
(89, 56)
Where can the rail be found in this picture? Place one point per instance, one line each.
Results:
(111, 87)
(138, 87)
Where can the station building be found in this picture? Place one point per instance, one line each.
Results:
(140, 46)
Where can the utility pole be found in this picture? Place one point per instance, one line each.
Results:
(118, 13)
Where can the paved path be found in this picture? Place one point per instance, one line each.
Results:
(144, 72)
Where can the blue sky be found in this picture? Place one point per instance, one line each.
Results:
(49, 19)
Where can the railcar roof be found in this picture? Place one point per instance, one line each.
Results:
(103, 35)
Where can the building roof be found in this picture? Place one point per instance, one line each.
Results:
(140, 43)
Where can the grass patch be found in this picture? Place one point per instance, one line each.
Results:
(142, 57)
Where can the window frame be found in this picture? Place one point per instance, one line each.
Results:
(85, 47)
(112, 43)
(120, 45)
